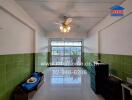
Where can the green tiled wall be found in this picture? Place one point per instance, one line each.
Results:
(14, 68)
(41, 61)
(120, 65)
(88, 58)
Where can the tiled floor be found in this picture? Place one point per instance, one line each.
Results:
(66, 83)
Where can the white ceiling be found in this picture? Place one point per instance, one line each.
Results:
(86, 13)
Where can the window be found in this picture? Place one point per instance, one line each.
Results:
(62, 53)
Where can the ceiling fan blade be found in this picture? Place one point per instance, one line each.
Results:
(68, 21)
(69, 6)
(79, 17)
(45, 7)
(78, 27)
(58, 23)
(48, 9)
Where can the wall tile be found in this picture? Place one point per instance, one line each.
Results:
(120, 65)
(88, 58)
(14, 68)
(41, 61)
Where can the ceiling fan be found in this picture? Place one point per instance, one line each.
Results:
(66, 19)
(65, 25)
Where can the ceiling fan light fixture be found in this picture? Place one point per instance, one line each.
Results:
(65, 29)
(69, 28)
(61, 27)
(66, 25)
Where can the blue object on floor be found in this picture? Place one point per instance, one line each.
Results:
(31, 86)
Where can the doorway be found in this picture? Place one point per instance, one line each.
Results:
(66, 53)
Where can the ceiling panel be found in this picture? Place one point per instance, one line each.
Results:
(85, 13)
(79, 1)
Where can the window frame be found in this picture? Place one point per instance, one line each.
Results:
(64, 46)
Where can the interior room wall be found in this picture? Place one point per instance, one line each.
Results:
(90, 49)
(19, 42)
(15, 37)
(41, 55)
(114, 42)
(72, 34)
(16, 53)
